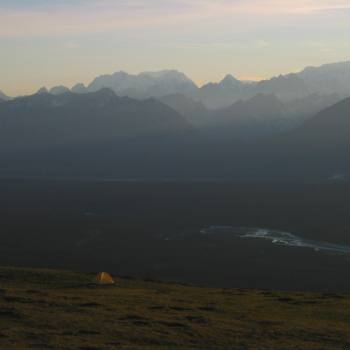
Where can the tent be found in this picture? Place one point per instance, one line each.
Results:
(104, 278)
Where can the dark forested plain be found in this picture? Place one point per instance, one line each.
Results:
(152, 230)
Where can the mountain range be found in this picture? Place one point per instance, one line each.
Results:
(144, 85)
(44, 120)
(257, 116)
(174, 135)
(330, 79)
(101, 134)
(325, 80)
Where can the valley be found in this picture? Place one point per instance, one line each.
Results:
(153, 230)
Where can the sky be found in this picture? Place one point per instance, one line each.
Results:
(48, 43)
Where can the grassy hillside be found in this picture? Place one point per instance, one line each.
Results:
(47, 309)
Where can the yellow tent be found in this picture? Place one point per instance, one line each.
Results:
(104, 278)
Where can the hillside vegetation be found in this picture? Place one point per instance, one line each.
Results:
(47, 309)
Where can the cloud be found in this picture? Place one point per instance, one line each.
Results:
(261, 44)
(251, 6)
(71, 45)
(63, 17)
(275, 7)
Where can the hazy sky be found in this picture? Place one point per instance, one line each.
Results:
(55, 42)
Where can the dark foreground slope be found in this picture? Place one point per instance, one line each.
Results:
(46, 309)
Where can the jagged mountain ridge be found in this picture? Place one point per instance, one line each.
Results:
(194, 111)
(144, 85)
(4, 97)
(258, 116)
(100, 134)
(326, 80)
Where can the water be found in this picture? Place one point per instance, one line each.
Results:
(279, 238)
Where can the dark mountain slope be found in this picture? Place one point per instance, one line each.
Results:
(44, 120)
(285, 87)
(329, 128)
(195, 112)
(319, 149)
(258, 108)
(222, 94)
(254, 118)
(101, 135)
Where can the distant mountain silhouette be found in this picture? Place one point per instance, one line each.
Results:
(329, 129)
(58, 90)
(285, 87)
(290, 127)
(264, 115)
(144, 85)
(42, 90)
(4, 97)
(195, 112)
(203, 105)
(44, 120)
(222, 94)
(100, 134)
(318, 149)
(79, 89)
(258, 116)
(328, 79)
(258, 107)
(299, 110)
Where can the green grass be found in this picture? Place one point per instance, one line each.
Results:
(46, 309)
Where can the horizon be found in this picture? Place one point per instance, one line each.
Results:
(199, 85)
(71, 41)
